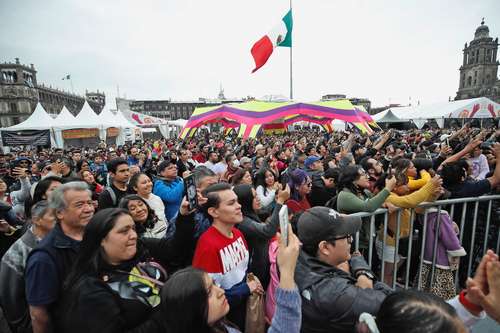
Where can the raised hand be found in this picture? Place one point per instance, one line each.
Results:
(390, 183)
(283, 195)
(287, 259)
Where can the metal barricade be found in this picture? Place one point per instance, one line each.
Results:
(451, 206)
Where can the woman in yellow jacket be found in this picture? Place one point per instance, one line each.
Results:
(406, 167)
(402, 198)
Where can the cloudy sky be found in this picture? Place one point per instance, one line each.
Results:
(386, 50)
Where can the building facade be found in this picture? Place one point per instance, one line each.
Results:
(365, 102)
(20, 92)
(168, 109)
(479, 70)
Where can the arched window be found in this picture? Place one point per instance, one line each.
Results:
(469, 81)
(487, 78)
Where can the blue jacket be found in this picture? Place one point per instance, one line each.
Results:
(171, 193)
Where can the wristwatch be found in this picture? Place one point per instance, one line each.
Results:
(366, 273)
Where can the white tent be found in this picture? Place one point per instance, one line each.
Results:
(38, 120)
(124, 122)
(126, 128)
(64, 118)
(87, 117)
(480, 107)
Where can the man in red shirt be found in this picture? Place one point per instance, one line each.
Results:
(222, 250)
(202, 155)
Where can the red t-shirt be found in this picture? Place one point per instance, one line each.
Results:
(224, 259)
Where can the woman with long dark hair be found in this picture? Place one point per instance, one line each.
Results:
(354, 197)
(141, 184)
(191, 302)
(42, 192)
(96, 188)
(266, 186)
(147, 223)
(258, 234)
(114, 284)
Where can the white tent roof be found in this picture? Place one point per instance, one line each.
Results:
(120, 118)
(87, 116)
(108, 119)
(480, 107)
(387, 116)
(38, 120)
(64, 118)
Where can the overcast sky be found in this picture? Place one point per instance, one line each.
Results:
(387, 51)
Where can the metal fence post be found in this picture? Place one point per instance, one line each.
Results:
(437, 226)
(472, 238)
(424, 235)
(410, 247)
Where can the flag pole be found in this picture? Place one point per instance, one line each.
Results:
(291, 53)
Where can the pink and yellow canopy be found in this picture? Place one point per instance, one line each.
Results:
(249, 117)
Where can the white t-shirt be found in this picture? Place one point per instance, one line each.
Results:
(157, 205)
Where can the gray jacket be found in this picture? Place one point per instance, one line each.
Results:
(12, 294)
(258, 234)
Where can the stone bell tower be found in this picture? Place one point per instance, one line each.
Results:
(478, 73)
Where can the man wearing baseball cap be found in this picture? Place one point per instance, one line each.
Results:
(335, 286)
(314, 166)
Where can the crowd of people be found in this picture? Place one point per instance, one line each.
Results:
(104, 239)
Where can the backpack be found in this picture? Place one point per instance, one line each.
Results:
(112, 195)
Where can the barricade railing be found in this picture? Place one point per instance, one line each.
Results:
(468, 241)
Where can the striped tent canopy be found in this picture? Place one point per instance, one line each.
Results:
(249, 117)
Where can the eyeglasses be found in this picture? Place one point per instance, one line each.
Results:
(348, 237)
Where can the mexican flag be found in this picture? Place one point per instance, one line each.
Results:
(281, 35)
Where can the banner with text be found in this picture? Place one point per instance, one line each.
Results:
(26, 138)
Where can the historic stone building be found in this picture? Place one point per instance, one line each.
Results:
(478, 73)
(172, 110)
(20, 92)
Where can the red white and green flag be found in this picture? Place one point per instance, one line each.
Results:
(280, 35)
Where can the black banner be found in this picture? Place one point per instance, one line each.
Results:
(25, 138)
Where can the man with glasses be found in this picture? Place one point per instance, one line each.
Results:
(335, 286)
(373, 169)
(49, 263)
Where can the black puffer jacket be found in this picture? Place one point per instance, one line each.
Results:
(331, 302)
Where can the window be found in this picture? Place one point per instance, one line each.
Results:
(469, 81)
(13, 108)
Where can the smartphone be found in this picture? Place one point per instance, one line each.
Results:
(191, 193)
(283, 215)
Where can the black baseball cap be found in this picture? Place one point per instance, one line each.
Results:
(322, 223)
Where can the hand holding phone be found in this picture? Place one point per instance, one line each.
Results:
(191, 193)
(283, 216)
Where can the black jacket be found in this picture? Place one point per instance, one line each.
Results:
(110, 302)
(320, 194)
(331, 302)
